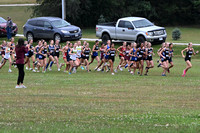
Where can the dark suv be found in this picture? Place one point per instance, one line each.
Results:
(51, 28)
(3, 31)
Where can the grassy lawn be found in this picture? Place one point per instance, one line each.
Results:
(19, 15)
(100, 102)
(17, 1)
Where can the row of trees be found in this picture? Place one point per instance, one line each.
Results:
(86, 13)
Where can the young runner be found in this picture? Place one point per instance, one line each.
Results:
(189, 52)
(57, 53)
(170, 56)
(7, 57)
(149, 59)
(86, 55)
(94, 55)
(140, 56)
(122, 52)
(112, 53)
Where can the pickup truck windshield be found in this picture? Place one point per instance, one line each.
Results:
(2, 20)
(60, 23)
(142, 23)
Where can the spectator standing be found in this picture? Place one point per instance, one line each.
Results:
(21, 50)
(9, 28)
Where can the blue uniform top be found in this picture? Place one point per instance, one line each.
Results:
(96, 48)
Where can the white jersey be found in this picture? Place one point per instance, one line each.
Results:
(78, 51)
(7, 55)
(74, 55)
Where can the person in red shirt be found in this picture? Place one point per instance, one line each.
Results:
(20, 50)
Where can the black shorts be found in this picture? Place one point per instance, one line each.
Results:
(145, 58)
(149, 58)
(94, 56)
(30, 54)
(84, 57)
(112, 58)
(186, 59)
(170, 60)
(120, 57)
(57, 54)
(139, 59)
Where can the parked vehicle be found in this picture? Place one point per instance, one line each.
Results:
(51, 28)
(3, 31)
(131, 29)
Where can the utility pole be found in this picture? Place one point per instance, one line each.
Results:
(63, 10)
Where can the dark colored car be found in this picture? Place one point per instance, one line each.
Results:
(3, 31)
(51, 28)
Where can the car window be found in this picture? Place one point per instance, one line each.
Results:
(2, 20)
(47, 24)
(40, 23)
(121, 24)
(128, 24)
(32, 22)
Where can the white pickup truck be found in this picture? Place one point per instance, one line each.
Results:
(131, 29)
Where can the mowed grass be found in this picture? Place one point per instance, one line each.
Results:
(100, 102)
(17, 1)
(19, 15)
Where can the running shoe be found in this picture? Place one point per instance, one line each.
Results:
(159, 65)
(58, 69)
(113, 73)
(26, 68)
(82, 67)
(138, 72)
(60, 66)
(34, 70)
(157, 61)
(120, 69)
(30, 69)
(23, 86)
(168, 70)
(50, 69)
(18, 86)
(98, 70)
(9, 70)
(132, 73)
(115, 70)
(95, 69)
(145, 74)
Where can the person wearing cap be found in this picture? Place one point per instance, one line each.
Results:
(9, 28)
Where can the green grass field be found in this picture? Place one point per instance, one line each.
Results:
(17, 1)
(20, 15)
(99, 102)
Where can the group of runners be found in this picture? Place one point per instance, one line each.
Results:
(76, 56)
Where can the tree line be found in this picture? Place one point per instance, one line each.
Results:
(87, 13)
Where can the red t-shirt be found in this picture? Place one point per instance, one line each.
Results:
(20, 53)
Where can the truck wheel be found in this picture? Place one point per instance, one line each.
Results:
(140, 39)
(105, 38)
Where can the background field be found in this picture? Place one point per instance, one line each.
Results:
(100, 102)
(17, 1)
(20, 15)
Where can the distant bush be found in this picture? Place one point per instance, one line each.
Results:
(176, 34)
(101, 19)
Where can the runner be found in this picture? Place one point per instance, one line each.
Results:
(94, 55)
(189, 52)
(7, 57)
